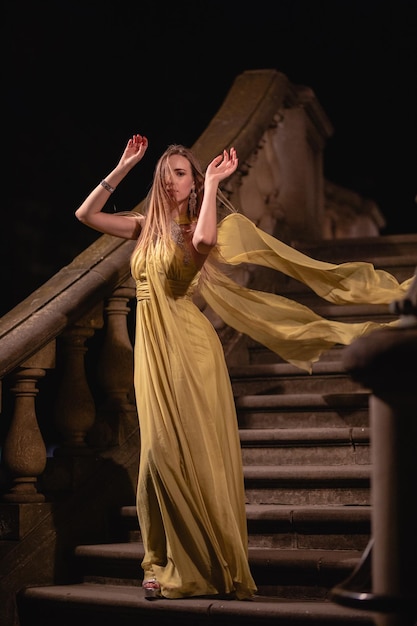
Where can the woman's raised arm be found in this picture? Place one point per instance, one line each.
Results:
(90, 211)
(221, 167)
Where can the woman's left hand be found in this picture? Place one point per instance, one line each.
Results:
(222, 166)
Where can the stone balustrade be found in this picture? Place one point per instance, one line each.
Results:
(75, 424)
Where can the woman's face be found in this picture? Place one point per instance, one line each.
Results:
(179, 180)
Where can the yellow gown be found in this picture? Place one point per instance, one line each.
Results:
(190, 497)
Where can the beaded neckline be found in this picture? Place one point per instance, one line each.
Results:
(182, 220)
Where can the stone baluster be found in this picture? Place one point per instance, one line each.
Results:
(117, 413)
(24, 452)
(75, 410)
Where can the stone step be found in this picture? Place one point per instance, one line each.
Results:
(288, 526)
(312, 446)
(109, 604)
(303, 410)
(308, 484)
(281, 573)
(308, 527)
(283, 378)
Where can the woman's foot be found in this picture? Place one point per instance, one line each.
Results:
(152, 588)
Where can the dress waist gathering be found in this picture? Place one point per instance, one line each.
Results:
(174, 289)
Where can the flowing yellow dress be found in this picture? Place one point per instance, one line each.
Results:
(190, 497)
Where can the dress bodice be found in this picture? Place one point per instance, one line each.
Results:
(172, 263)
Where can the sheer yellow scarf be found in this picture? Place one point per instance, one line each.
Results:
(288, 328)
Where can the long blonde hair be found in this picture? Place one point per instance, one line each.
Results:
(160, 204)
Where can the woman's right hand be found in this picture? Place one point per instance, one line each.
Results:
(134, 151)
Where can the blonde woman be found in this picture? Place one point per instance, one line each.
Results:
(190, 496)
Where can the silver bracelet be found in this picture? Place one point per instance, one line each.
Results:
(106, 186)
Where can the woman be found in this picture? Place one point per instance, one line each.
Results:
(190, 496)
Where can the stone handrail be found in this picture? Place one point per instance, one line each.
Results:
(67, 296)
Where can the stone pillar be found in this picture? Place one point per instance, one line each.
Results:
(385, 361)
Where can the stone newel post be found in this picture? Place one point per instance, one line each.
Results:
(385, 361)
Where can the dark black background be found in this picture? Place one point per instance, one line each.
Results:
(79, 77)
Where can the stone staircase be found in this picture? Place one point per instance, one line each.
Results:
(306, 454)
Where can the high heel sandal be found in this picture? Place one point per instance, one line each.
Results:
(152, 589)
